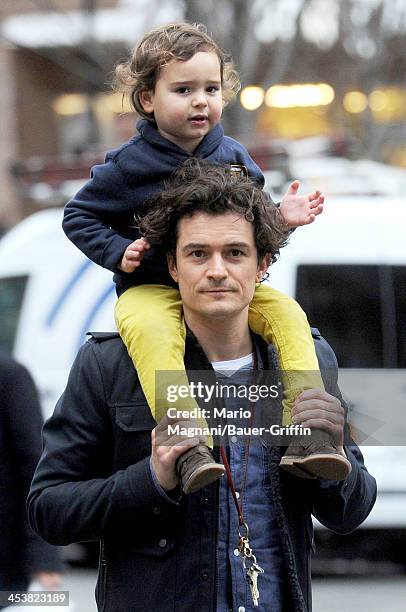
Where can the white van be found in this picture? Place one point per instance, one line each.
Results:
(50, 296)
(348, 271)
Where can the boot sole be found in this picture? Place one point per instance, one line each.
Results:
(203, 476)
(332, 467)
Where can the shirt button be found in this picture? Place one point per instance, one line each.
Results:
(237, 495)
(234, 439)
(241, 609)
(162, 543)
(236, 552)
(205, 575)
(156, 510)
(205, 501)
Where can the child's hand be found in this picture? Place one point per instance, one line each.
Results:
(300, 210)
(133, 255)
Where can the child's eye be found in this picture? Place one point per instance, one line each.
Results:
(183, 90)
(213, 88)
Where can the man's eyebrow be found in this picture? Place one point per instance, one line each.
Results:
(240, 245)
(194, 245)
(202, 245)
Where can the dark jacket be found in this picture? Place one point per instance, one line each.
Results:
(94, 482)
(100, 218)
(22, 552)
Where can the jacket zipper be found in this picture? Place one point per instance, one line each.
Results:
(205, 365)
(103, 568)
(216, 500)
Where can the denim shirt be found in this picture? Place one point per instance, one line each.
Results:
(233, 592)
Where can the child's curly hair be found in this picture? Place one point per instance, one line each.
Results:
(173, 41)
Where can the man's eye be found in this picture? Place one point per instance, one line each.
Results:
(198, 254)
(236, 252)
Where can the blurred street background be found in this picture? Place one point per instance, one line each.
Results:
(329, 594)
(323, 100)
(319, 78)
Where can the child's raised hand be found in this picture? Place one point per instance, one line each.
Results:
(300, 210)
(133, 255)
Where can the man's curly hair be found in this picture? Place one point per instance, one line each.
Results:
(199, 186)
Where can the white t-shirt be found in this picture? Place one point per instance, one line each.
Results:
(230, 367)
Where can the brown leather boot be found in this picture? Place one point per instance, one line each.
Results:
(196, 469)
(316, 456)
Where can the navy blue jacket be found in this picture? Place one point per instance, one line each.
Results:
(100, 218)
(94, 482)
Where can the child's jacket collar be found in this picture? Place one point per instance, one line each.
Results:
(209, 144)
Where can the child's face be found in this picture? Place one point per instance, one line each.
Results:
(187, 100)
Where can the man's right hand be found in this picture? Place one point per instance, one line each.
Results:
(133, 255)
(167, 447)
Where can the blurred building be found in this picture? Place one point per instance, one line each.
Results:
(307, 71)
(58, 110)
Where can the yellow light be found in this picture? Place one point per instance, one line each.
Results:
(355, 102)
(252, 97)
(378, 100)
(388, 104)
(114, 103)
(326, 93)
(295, 122)
(70, 104)
(289, 96)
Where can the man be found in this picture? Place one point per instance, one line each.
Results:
(108, 470)
(23, 555)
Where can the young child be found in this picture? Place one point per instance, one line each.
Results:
(178, 79)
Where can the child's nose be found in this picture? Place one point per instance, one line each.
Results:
(200, 99)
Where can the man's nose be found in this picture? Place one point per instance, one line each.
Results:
(217, 269)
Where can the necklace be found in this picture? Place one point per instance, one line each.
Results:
(251, 567)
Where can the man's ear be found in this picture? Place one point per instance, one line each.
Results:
(263, 266)
(170, 258)
(146, 98)
(268, 261)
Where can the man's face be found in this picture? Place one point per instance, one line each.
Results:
(216, 265)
